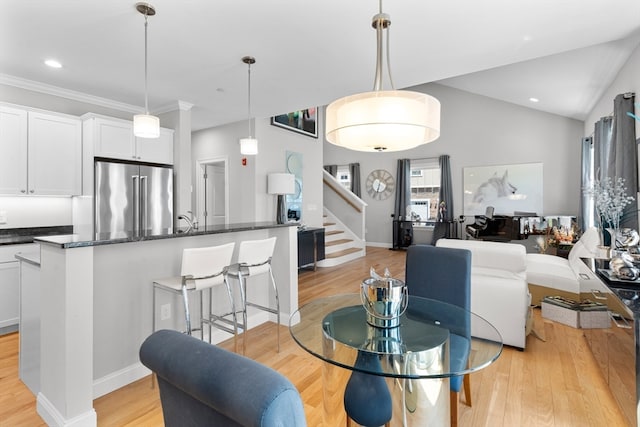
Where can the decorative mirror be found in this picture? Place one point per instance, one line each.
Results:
(294, 201)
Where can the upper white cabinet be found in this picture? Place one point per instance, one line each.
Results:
(55, 155)
(158, 150)
(40, 153)
(113, 138)
(13, 151)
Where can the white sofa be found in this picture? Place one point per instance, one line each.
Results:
(499, 291)
(553, 275)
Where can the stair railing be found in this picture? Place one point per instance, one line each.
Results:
(346, 206)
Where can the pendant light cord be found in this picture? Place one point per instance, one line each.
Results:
(146, 87)
(249, 100)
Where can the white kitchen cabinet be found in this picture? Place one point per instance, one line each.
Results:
(114, 139)
(40, 153)
(9, 308)
(10, 286)
(13, 150)
(159, 150)
(29, 356)
(55, 155)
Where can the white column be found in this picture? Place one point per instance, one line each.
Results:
(66, 358)
(285, 267)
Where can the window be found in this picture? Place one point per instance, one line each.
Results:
(425, 190)
(344, 176)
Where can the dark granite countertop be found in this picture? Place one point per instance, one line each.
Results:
(69, 241)
(18, 236)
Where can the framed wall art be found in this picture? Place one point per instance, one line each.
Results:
(301, 121)
(506, 188)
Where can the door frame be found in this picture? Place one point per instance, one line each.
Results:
(200, 186)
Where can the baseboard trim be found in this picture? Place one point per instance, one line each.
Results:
(379, 244)
(52, 417)
(132, 373)
(4, 330)
(118, 379)
(10, 323)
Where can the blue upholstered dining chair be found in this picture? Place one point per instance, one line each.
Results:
(367, 399)
(204, 385)
(444, 274)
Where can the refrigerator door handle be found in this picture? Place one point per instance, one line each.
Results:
(136, 204)
(144, 197)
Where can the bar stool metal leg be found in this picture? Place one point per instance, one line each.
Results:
(276, 311)
(185, 300)
(254, 259)
(275, 289)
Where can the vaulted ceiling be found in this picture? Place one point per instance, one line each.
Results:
(565, 53)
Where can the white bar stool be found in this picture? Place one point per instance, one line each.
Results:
(254, 259)
(202, 269)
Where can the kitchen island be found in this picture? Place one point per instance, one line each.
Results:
(96, 310)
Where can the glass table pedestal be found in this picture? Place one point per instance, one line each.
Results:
(409, 363)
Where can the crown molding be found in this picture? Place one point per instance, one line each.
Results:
(66, 93)
(185, 106)
(174, 106)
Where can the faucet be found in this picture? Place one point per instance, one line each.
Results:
(191, 222)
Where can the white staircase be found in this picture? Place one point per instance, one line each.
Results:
(340, 244)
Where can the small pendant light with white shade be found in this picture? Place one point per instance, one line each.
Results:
(249, 145)
(146, 125)
(383, 120)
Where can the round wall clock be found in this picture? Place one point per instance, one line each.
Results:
(379, 184)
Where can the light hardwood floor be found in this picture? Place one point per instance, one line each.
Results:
(552, 383)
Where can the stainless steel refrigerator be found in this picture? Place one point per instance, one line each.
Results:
(133, 198)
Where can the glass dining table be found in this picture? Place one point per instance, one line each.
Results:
(413, 358)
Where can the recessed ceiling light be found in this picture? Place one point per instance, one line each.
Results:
(534, 100)
(53, 63)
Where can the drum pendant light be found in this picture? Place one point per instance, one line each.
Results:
(249, 145)
(146, 125)
(383, 120)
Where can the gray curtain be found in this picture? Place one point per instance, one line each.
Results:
(601, 143)
(586, 216)
(444, 221)
(403, 192)
(624, 154)
(332, 169)
(354, 171)
(616, 152)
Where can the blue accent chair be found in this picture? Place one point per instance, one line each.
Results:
(444, 274)
(367, 399)
(204, 385)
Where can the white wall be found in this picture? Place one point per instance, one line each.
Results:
(222, 141)
(249, 200)
(627, 80)
(481, 131)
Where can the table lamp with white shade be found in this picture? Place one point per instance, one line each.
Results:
(281, 184)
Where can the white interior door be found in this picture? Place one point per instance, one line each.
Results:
(213, 188)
